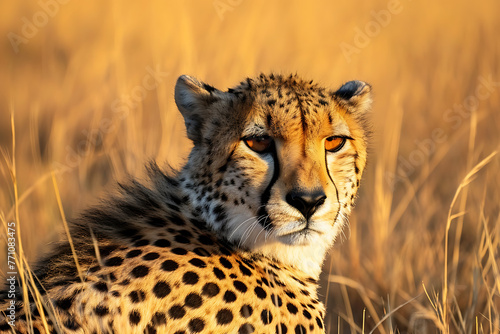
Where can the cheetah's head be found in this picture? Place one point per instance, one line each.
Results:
(276, 162)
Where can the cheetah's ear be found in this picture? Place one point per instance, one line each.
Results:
(355, 96)
(193, 99)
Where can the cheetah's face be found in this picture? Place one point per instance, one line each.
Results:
(276, 162)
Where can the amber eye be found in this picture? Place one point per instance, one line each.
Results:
(334, 144)
(259, 144)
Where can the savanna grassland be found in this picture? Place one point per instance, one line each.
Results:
(88, 89)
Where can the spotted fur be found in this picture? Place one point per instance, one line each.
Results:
(232, 242)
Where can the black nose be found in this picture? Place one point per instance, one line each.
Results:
(306, 202)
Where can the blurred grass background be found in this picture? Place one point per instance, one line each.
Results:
(74, 76)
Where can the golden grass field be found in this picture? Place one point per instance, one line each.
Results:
(423, 248)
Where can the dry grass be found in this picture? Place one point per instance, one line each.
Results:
(422, 252)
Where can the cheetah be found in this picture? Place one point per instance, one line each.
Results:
(234, 241)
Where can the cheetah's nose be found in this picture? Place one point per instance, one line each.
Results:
(306, 202)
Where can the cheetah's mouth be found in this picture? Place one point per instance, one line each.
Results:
(300, 233)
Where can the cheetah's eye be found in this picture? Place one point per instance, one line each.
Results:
(334, 144)
(259, 144)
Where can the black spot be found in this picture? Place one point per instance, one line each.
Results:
(115, 293)
(161, 289)
(225, 262)
(198, 263)
(261, 294)
(276, 300)
(279, 283)
(128, 233)
(229, 296)
(266, 317)
(101, 310)
(124, 282)
(299, 329)
(281, 329)
(134, 317)
(246, 311)
(139, 271)
(176, 220)
(205, 239)
(304, 292)
(94, 269)
(240, 286)
(190, 278)
(106, 250)
(245, 270)
(151, 256)
(225, 251)
(172, 207)
(181, 239)
(176, 312)
(224, 316)
(162, 243)
(219, 273)
(290, 294)
(133, 253)
(323, 102)
(169, 265)
(209, 88)
(150, 329)
(142, 242)
(246, 329)
(306, 314)
(186, 233)
(193, 300)
(101, 286)
(156, 222)
(271, 102)
(233, 276)
(179, 251)
(223, 197)
(196, 325)
(69, 324)
(109, 277)
(201, 252)
(249, 262)
(65, 303)
(319, 322)
(265, 281)
(210, 290)
(298, 280)
(137, 296)
(219, 212)
(158, 319)
(292, 308)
